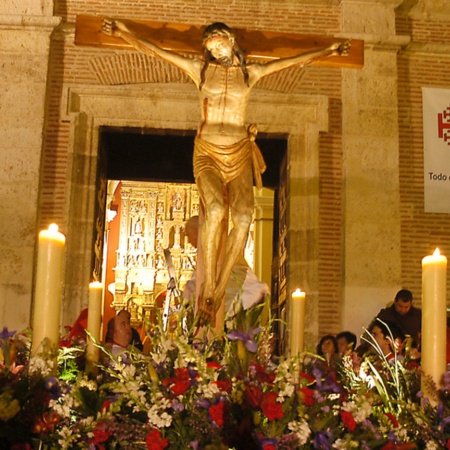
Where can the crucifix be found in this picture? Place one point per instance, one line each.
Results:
(224, 65)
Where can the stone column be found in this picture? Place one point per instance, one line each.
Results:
(25, 29)
(371, 196)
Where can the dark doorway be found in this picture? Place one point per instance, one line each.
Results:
(166, 155)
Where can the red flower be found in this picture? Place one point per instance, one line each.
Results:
(307, 396)
(213, 365)
(105, 406)
(224, 386)
(155, 441)
(21, 446)
(393, 419)
(448, 445)
(270, 407)
(217, 413)
(180, 383)
(348, 420)
(180, 387)
(253, 395)
(100, 435)
(262, 375)
(268, 447)
(307, 377)
(46, 423)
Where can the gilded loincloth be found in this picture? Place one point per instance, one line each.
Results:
(228, 161)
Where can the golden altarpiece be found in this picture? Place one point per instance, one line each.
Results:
(152, 219)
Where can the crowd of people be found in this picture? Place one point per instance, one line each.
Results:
(392, 334)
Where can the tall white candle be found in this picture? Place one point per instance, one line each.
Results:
(47, 295)
(297, 322)
(434, 317)
(94, 322)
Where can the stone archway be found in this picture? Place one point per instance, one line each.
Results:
(175, 106)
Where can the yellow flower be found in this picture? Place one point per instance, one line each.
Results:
(9, 406)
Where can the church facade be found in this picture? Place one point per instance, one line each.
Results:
(355, 226)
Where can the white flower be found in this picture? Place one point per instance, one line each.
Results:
(359, 411)
(301, 429)
(85, 382)
(208, 390)
(39, 365)
(344, 444)
(431, 445)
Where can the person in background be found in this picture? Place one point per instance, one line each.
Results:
(119, 333)
(136, 341)
(346, 342)
(328, 349)
(404, 315)
(389, 340)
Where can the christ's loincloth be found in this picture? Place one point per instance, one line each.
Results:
(228, 161)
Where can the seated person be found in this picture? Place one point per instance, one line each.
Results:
(346, 342)
(403, 314)
(387, 339)
(119, 334)
(328, 349)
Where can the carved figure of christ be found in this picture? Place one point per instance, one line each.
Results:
(226, 158)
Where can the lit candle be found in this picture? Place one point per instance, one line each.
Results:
(434, 317)
(47, 295)
(94, 323)
(297, 322)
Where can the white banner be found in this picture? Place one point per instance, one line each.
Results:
(436, 149)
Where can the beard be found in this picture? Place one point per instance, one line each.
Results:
(225, 61)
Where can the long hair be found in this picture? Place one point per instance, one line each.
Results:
(220, 29)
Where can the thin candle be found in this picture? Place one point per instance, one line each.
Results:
(297, 322)
(94, 323)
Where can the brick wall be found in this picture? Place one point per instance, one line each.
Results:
(421, 232)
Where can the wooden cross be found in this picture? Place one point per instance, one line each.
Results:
(187, 39)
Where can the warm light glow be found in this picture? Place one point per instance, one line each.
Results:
(298, 293)
(53, 228)
(96, 285)
(437, 252)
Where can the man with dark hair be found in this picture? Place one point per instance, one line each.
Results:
(346, 342)
(403, 314)
(226, 157)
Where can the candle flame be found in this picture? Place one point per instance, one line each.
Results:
(297, 291)
(436, 252)
(53, 227)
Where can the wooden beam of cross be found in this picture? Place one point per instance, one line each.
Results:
(187, 39)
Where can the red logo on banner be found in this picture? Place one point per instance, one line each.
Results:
(444, 125)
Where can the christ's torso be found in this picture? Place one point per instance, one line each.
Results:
(223, 99)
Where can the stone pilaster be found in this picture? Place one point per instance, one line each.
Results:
(23, 78)
(372, 239)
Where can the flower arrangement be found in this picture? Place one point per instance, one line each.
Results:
(213, 392)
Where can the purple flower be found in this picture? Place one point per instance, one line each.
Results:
(5, 334)
(4, 337)
(202, 402)
(246, 338)
(194, 445)
(177, 406)
(321, 440)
